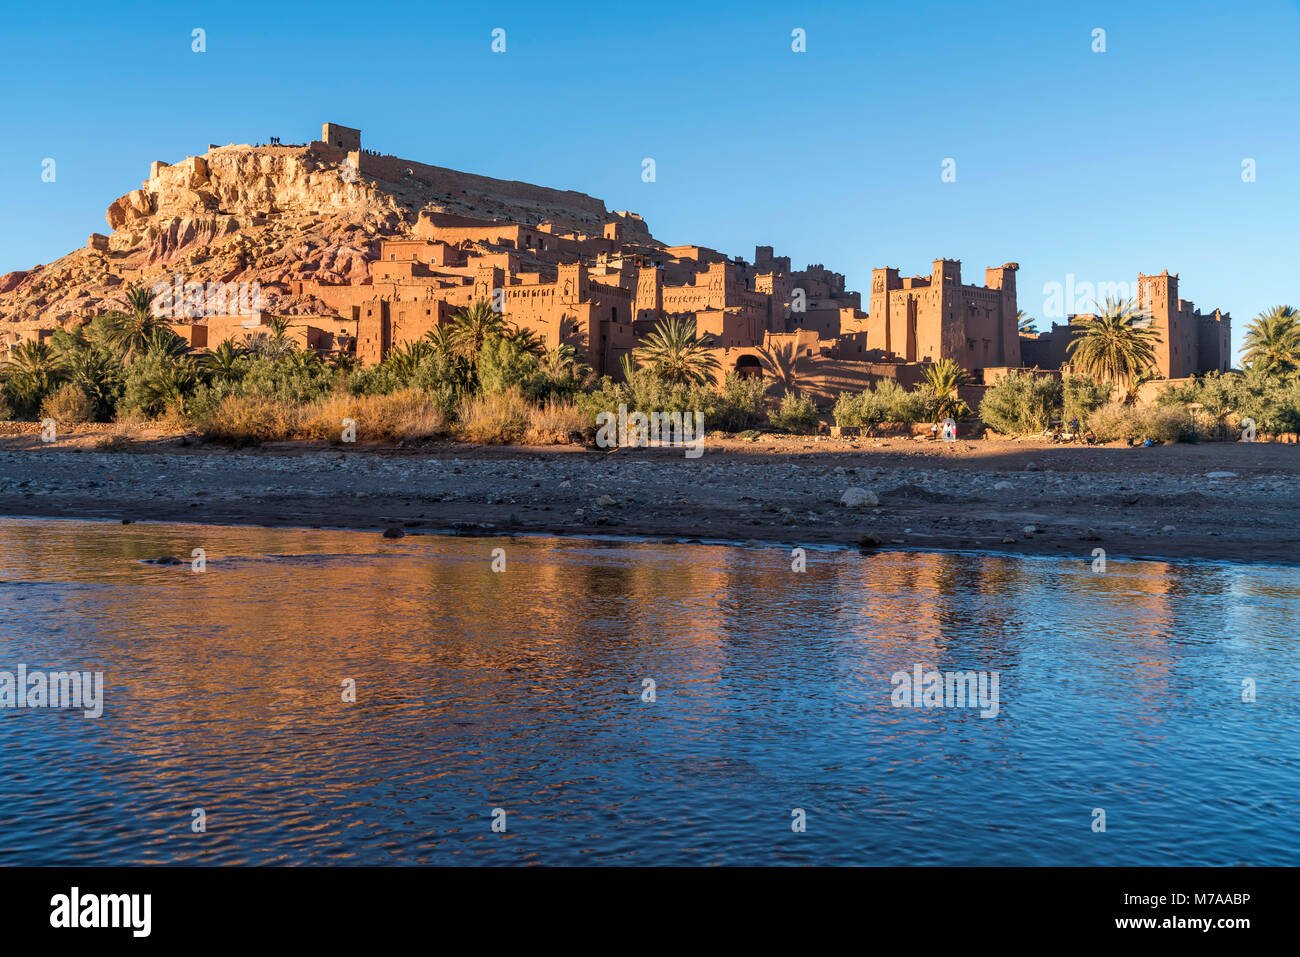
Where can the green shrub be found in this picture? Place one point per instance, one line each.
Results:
(798, 413)
(854, 409)
(1081, 396)
(1272, 401)
(739, 406)
(505, 364)
(158, 382)
(887, 401)
(904, 406)
(1116, 422)
(290, 380)
(1021, 403)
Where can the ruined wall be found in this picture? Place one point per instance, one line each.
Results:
(534, 203)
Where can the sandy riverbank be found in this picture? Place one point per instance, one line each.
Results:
(1137, 503)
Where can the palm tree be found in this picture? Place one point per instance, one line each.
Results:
(406, 358)
(139, 300)
(561, 370)
(167, 383)
(305, 361)
(1273, 341)
(166, 343)
(1118, 344)
(99, 376)
(277, 343)
(442, 339)
(1024, 323)
(223, 361)
(472, 326)
(91, 364)
(279, 326)
(675, 354)
(448, 366)
(271, 340)
(130, 331)
(34, 369)
(563, 362)
(943, 379)
(528, 340)
(342, 361)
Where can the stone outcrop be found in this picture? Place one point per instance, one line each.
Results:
(267, 214)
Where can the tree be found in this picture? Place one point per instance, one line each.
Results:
(529, 341)
(676, 355)
(279, 326)
(471, 328)
(274, 343)
(305, 362)
(405, 359)
(1021, 403)
(32, 370)
(443, 341)
(91, 363)
(505, 363)
(130, 331)
(1025, 323)
(343, 362)
(1273, 342)
(563, 362)
(223, 362)
(159, 382)
(163, 375)
(943, 379)
(166, 343)
(1116, 345)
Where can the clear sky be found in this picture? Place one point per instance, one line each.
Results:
(1067, 161)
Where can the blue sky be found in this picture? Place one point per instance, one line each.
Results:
(1067, 161)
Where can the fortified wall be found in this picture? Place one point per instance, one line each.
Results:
(367, 252)
(342, 145)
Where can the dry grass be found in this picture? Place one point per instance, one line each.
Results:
(68, 405)
(246, 420)
(397, 417)
(492, 418)
(496, 417)
(555, 422)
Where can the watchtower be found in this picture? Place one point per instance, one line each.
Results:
(340, 137)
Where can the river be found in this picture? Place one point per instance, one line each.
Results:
(505, 715)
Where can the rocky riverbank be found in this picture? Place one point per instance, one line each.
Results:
(1217, 501)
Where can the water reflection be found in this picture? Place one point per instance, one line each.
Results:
(521, 690)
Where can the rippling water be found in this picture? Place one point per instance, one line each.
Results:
(522, 690)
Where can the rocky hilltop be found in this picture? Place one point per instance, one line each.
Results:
(270, 214)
